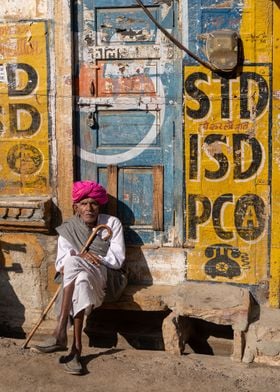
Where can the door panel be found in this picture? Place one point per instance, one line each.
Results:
(127, 77)
(126, 128)
(117, 26)
(128, 100)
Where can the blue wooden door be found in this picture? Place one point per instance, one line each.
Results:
(128, 110)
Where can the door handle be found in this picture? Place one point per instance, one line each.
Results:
(92, 88)
(91, 120)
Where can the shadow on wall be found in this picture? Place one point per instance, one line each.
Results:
(12, 311)
(56, 218)
(136, 263)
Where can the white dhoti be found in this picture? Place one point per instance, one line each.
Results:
(90, 280)
(90, 283)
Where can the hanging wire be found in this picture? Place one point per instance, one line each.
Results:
(173, 39)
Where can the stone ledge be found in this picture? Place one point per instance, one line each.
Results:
(25, 213)
(142, 297)
(218, 303)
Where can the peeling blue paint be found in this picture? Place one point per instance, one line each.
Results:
(130, 65)
(209, 15)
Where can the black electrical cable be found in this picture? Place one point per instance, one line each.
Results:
(173, 39)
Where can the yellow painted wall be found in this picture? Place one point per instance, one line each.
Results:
(228, 160)
(24, 117)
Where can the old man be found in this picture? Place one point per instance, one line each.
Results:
(84, 275)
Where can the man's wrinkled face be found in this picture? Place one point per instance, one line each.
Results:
(88, 210)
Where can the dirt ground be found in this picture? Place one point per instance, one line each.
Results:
(121, 370)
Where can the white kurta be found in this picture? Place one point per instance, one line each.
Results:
(90, 280)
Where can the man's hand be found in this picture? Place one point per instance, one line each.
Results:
(91, 258)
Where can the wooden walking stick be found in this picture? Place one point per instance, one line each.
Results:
(50, 304)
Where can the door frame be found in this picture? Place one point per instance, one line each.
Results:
(62, 40)
(176, 234)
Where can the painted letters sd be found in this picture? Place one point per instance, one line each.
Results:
(203, 101)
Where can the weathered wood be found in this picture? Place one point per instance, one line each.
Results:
(64, 108)
(158, 198)
(112, 189)
(130, 103)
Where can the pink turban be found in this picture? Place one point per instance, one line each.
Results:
(84, 189)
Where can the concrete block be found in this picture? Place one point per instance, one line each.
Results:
(216, 303)
(176, 332)
(238, 346)
(263, 338)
